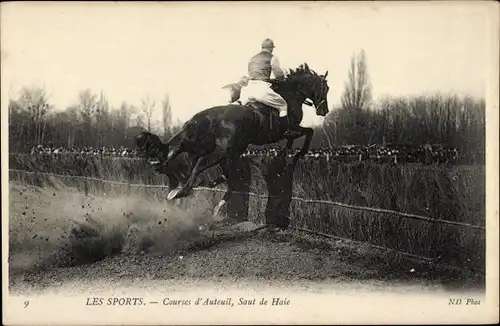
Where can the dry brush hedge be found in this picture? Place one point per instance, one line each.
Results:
(449, 193)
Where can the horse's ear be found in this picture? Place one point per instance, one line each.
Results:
(306, 67)
(326, 74)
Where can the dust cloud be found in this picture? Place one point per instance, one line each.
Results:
(59, 226)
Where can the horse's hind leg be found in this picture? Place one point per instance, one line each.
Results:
(173, 181)
(172, 155)
(202, 164)
(183, 171)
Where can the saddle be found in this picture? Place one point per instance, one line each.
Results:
(274, 114)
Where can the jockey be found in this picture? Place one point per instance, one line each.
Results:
(259, 88)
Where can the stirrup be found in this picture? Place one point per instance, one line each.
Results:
(289, 132)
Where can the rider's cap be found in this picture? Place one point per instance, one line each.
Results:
(267, 44)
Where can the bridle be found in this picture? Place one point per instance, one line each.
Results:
(309, 102)
(306, 100)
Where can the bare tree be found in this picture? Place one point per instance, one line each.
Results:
(125, 115)
(357, 90)
(356, 98)
(73, 122)
(139, 121)
(33, 100)
(88, 104)
(147, 107)
(102, 114)
(167, 115)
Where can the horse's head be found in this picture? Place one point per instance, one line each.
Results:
(311, 86)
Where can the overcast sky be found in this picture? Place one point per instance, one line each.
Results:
(190, 50)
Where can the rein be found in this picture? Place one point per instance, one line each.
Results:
(306, 101)
(309, 103)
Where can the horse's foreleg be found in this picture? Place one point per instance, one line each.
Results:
(288, 147)
(202, 164)
(309, 132)
(298, 132)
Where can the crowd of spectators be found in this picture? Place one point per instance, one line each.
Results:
(86, 150)
(397, 154)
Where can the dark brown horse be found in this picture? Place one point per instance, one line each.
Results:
(218, 134)
(179, 169)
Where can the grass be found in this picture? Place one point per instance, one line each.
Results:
(450, 193)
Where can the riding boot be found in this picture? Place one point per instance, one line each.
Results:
(287, 131)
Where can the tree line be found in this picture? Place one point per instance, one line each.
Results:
(448, 120)
(89, 123)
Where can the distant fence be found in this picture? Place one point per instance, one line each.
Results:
(361, 156)
(315, 201)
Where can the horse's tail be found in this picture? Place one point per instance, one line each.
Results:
(150, 144)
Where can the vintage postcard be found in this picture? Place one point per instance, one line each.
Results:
(249, 162)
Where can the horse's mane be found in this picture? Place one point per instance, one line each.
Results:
(300, 70)
(294, 75)
(291, 78)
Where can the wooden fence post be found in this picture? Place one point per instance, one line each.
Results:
(86, 186)
(278, 174)
(130, 179)
(238, 177)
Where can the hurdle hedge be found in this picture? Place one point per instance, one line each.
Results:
(450, 193)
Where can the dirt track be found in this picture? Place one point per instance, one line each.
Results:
(182, 253)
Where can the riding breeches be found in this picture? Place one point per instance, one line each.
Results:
(260, 91)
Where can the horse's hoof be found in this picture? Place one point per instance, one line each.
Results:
(172, 194)
(218, 207)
